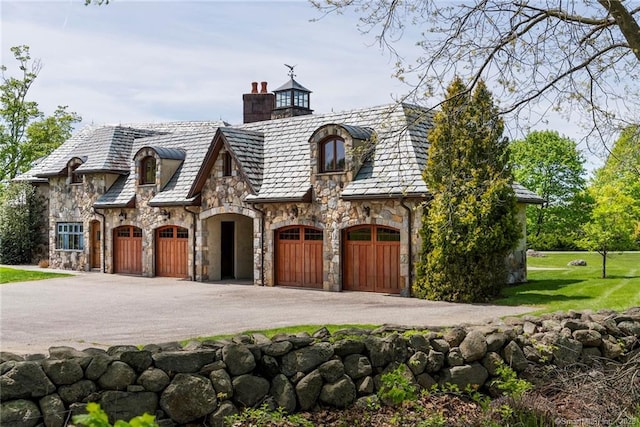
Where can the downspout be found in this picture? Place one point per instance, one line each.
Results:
(103, 244)
(195, 229)
(407, 289)
(262, 234)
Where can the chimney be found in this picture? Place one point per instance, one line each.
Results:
(258, 106)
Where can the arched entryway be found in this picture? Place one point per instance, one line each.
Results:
(229, 253)
(127, 250)
(371, 259)
(172, 251)
(299, 256)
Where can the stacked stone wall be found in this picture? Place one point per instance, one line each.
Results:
(202, 382)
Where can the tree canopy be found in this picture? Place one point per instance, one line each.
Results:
(26, 134)
(552, 166)
(579, 57)
(470, 225)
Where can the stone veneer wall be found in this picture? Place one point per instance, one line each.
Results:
(203, 382)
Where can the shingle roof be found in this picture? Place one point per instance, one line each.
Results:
(246, 146)
(526, 196)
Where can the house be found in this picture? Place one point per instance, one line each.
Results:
(288, 198)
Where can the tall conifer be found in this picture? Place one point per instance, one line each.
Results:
(470, 225)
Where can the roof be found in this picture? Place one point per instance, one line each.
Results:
(292, 84)
(247, 147)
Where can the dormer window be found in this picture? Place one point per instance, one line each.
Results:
(148, 170)
(76, 178)
(332, 155)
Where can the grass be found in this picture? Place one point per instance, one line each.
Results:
(554, 286)
(8, 275)
(289, 330)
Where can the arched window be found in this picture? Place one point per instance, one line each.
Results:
(148, 170)
(332, 155)
(76, 178)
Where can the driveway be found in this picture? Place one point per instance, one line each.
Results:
(100, 310)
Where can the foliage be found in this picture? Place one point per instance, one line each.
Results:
(96, 417)
(470, 225)
(21, 223)
(552, 167)
(9, 275)
(614, 222)
(264, 416)
(553, 286)
(509, 383)
(578, 57)
(397, 388)
(25, 133)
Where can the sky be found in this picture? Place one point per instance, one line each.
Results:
(140, 61)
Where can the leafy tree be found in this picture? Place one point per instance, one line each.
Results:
(21, 223)
(25, 133)
(622, 167)
(578, 56)
(553, 167)
(470, 225)
(615, 220)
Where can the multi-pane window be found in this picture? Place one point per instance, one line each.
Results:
(148, 170)
(332, 155)
(70, 236)
(283, 99)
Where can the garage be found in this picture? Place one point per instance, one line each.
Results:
(127, 250)
(299, 257)
(172, 254)
(372, 259)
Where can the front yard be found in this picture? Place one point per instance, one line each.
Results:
(8, 275)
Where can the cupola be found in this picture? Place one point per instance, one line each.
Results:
(292, 99)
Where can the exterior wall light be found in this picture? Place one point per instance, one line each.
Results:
(165, 213)
(122, 215)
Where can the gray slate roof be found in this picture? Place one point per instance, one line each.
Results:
(247, 147)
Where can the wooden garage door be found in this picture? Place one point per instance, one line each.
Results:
(172, 253)
(127, 250)
(299, 257)
(372, 259)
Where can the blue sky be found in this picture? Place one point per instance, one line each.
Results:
(192, 60)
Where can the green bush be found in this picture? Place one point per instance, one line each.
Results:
(96, 417)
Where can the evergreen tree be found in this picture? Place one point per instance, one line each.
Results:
(470, 225)
(21, 223)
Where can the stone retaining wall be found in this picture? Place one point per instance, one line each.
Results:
(203, 382)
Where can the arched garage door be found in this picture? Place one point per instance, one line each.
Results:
(299, 257)
(172, 253)
(127, 250)
(372, 259)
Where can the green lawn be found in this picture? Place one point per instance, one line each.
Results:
(8, 275)
(554, 286)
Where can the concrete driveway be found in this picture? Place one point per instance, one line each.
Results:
(100, 310)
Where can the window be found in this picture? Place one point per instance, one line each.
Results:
(283, 99)
(360, 234)
(148, 170)
(76, 178)
(312, 234)
(332, 155)
(70, 236)
(226, 164)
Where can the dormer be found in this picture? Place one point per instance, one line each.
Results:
(156, 165)
(73, 177)
(338, 149)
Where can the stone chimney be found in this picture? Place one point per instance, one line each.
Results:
(258, 106)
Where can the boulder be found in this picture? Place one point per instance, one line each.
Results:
(188, 397)
(6, 356)
(249, 390)
(357, 366)
(25, 380)
(588, 337)
(98, 366)
(440, 345)
(611, 350)
(225, 409)
(269, 366)
(62, 372)
(332, 370)
(426, 381)
(454, 336)
(222, 383)
(435, 361)
(19, 413)
(566, 351)
(473, 375)
(308, 389)
(185, 362)
(577, 263)
(277, 349)
(491, 361)
(77, 392)
(514, 357)
(121, 405)
(306, 359)
(53, 410)
(283, 393)
(347, 346)
(365, 386)
(474, 346)
(454, 357)
(419, 343)
(118, 376)
(154, 380)
(139, 360)
(340, 394)
(495, 341)
(239, 359)
(418, 362)
(629, 327)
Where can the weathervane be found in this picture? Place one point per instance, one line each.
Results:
(290, 67)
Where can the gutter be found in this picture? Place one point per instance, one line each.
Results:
(195, 229)
(407, 290)
(103, 244)
(262, 234)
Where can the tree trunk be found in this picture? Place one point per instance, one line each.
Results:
(604, 264)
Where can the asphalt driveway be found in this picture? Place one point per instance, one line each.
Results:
(100, 310)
